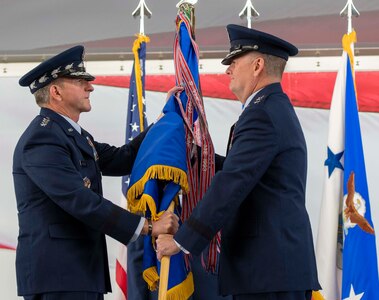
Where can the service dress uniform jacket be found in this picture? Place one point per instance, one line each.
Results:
(63, 217)
(258, 202)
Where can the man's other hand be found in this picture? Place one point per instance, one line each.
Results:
(166, 245)
(167, 223)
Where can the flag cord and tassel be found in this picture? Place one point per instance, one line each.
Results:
(196, 132)
(137, 69)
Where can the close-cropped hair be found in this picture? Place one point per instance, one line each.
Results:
(42, 95)
(274, 65)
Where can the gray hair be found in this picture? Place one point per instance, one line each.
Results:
(274, 65)
(42, 95)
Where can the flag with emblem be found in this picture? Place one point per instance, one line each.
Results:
(346, 250)
(135, 123)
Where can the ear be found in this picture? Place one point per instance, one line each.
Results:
(55, 92)
(259, 65)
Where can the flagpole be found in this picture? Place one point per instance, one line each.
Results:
(348, 11)
(249, 12)
(142, 10)
(165, 268)
(135, 124)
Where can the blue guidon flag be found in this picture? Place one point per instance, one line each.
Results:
(159, 174)
(168, 162)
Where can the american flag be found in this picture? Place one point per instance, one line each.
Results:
(135, 123)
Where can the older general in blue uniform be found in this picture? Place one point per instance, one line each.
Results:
(257, 198)
(57, 170)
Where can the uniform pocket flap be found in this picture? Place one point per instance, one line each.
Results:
(68, 231)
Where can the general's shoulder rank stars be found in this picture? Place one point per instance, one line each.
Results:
(45, 121)
(259, 99)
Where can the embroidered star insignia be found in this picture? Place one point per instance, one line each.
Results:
(134, 105)
(259, 99)
(333, 161)
(353, 296)
(45, 121)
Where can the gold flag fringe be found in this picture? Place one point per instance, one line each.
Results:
(151, 276)
(138, 202)
(181, 291)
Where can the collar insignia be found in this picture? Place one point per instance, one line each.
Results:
(259, 99)
(45, 121)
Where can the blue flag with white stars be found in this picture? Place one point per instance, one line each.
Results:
(136, 112)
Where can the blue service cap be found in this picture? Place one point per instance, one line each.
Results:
(243, 39)
(69, 63)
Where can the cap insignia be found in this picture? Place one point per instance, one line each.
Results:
(43, 79)
(70, 66)
(33, 85)
(56, 72)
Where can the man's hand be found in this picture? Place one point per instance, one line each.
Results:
(173, 91)
(166, 245)
(167, 223)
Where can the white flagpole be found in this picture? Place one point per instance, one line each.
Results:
(142, 10)
(348, 11)
(249, 12)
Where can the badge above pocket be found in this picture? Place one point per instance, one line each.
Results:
(87, 182)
